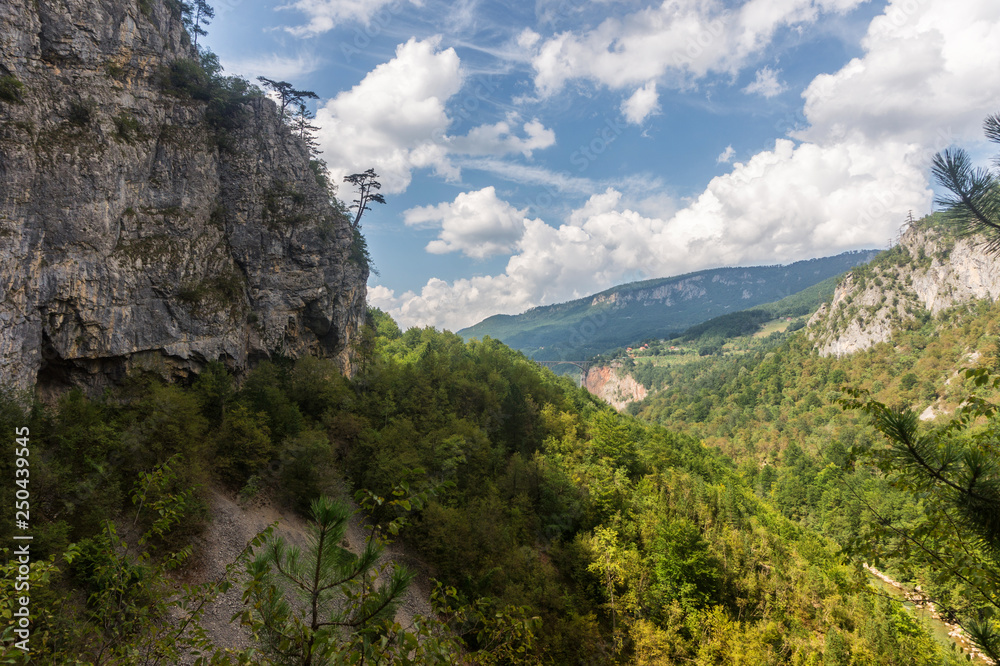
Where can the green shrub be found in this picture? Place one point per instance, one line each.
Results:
(214, 390)
(81, 113)
(114, 70)
(203, 80)
(224, 290)
(359, 253)
(322, 176)
(127, 128)
(11, 89)
(282, 206)
(191, 293)
(186, 78)
(265, 391)
(244, 445)
(305, 469)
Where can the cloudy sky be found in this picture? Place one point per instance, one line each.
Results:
(531, 153)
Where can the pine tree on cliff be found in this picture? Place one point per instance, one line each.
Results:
(287, 95)
(367, 184)
(197, 14)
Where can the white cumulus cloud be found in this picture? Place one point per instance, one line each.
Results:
(674, 41)
(643, 103)
(396, 120)
(390, 119)
(499, 139)
(381, 297)
(766, 84)
(929, 70)
(477, 224)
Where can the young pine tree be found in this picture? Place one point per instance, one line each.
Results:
(325, 604)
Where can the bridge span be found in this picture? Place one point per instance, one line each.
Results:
(583, 365)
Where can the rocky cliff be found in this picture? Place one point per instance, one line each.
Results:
(613, 385)
(141, 225)
(928, 272)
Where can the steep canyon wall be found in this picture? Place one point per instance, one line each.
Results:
(136, 229)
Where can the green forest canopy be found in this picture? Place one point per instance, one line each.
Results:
(624, 541)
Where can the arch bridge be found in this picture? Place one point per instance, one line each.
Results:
(583, 365)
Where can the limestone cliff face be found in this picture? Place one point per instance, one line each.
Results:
(134, 232)
(668, 294)
(614, 386)
(927, 273)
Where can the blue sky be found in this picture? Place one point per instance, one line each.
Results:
(534, 153)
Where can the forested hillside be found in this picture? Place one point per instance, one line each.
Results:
(568, 532)
(776, 406)
(755, 394)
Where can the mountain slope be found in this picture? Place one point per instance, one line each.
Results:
(653, 308)
(903, 326)
(929, 271)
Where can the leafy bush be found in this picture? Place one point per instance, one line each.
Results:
(244, 445)
(359, 253)
(202, 80)
(127, 128)
(186, 78)
(81, 113)
(11, 89)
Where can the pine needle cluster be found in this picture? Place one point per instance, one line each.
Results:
(974, 203)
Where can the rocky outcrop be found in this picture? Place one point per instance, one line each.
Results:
(613, 385)
(136, 229)
(666, 294)
(841, 330)
(928, 272)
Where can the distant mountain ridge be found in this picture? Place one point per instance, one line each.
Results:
(656, 308)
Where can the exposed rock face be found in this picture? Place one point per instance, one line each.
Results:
(668, 294)
(134, 232)
(930, 273)
(614, 386)
(851, 333)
